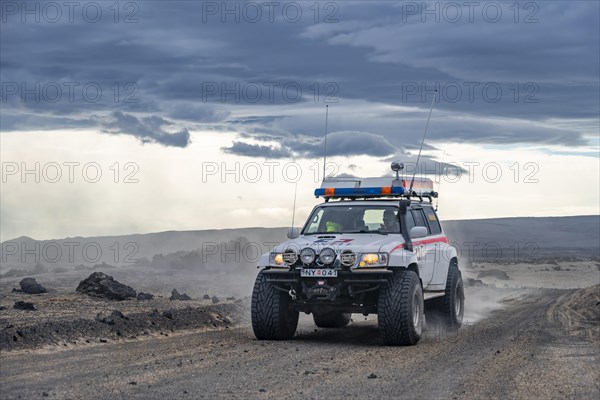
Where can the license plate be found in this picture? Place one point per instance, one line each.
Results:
(318, 273)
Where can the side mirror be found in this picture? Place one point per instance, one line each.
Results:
(293, 233)
(418, 232)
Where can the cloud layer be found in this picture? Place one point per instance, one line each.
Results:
(527, 78)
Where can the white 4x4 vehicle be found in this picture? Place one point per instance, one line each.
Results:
(379, 248)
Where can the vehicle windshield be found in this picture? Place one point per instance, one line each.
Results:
(353, 219)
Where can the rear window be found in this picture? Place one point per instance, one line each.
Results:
(434, 224)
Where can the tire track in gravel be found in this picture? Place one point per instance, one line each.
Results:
(518, 352)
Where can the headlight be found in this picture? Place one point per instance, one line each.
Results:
(373, 260)
(307, 256)
(276, 259)
(327, 256)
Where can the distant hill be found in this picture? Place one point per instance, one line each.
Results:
(506, 238)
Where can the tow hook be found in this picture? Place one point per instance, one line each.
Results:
(292, 294)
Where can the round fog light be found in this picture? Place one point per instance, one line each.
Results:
(307, 256)
(327, 256)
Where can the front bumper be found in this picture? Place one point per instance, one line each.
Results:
(349, 291)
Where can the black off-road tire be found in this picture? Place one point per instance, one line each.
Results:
(452, 305)
(332, 319)
(400, 309)
(272, 317)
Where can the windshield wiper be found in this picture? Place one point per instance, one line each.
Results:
(376, 231)
(367, 231)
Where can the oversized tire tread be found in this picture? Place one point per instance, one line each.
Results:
(272, 318)
(332, 319)
(395, 309)
(447, 304)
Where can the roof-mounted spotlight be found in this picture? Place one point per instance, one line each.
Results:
(397, 167)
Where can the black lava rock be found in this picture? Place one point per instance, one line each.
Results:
(30, 286)
(24, 305)
(474, 282)
(109, 317)
(145, 296)
(215, 299)
(175, 295)
(231, 298)
(99, 284)
(206, 297)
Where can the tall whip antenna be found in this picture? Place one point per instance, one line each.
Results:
(422, 141)
(437, 202)
(294, 208)
(325, 151)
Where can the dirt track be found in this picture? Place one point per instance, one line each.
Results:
(522, 351)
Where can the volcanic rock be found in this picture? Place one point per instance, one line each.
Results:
(109, 317)
(215, 299)
(474, 282)
(494, 273)
(24, 305)
(99, 284)
(206, 297)
(145, 296)
(175, 295)
(30, 286)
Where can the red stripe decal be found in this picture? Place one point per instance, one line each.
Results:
(443, 239)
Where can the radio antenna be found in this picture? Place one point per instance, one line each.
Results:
(422, 141)
(294, 207)
(437, 202)
(325, 150)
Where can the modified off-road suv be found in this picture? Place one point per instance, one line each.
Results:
(378, 249)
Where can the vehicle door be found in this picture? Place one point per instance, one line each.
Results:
(424, 249)
(440, 242)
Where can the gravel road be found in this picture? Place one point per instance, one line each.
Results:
(521, 351)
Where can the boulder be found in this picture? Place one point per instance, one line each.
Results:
(99, 284)
(109, 317)
(145, 296)
(473, 282)
(30, 286)
(206, 297)
(24, 305)
(175, 295)
(215, 300)
(493, 273)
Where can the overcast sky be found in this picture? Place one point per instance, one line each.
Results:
(179, 88)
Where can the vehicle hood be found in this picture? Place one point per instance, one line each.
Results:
(359, 243)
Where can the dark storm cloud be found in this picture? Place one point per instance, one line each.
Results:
(147, 130)
(253, 150)
(343, 143)
(377, 56)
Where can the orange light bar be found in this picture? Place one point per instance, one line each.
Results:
(329, 192)
(386, 190)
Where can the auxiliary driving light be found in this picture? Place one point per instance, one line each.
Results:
(307, 256)
(327, 256)
(290, 257)
(348, 258)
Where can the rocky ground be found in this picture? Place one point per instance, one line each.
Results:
(530, 331)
